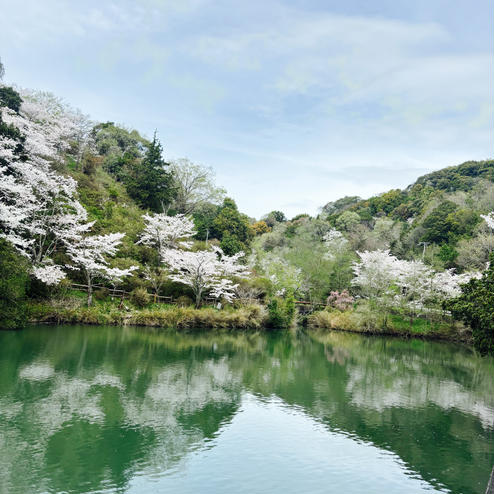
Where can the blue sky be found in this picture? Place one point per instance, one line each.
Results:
(293, 103)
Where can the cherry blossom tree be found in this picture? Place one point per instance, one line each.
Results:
(89, 254)
(165, 232)
(489, 219)
(411, 285)
(376, 273)
(335, 242)
(62, 125)
(205, 271)
(38, 207)
(340, 300)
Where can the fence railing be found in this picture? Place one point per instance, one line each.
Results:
(168, 299)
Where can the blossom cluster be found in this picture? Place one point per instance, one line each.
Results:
(383, 276)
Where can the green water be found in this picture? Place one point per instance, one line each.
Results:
(94, 409)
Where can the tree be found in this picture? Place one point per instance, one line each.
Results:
(194, 186)
(89, 254)
(489, 219)
(335, 242)
(438, 223)
(274, 217)
(121, 148)
(340, 205)
(284, 277)
(260, 227)
(474, 307)
(347, 221)
(10, 98)
(411, 285)
(205, 271)
(231, 228)
(156, 276)
(204, 218)
(376, 274)
(148, 181)
(38, 207)
(165, 232)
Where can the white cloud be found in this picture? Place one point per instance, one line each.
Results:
(317, 103)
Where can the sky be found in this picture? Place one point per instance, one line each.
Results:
(294, 104)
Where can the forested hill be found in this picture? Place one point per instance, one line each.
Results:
(395, 203)
(461, 177)
(440, 213)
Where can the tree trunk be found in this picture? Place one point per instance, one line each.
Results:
(198, 299)
(89, 291)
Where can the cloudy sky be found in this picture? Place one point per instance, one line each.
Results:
(292, 103)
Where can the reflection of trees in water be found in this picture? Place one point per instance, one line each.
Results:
(430, 403)
(94, 406)
(90, 422)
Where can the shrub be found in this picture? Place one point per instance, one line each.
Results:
(101, 293)
(335, 320)
(184, 301)
(340, 300)
(13, 285)
(139, 297)
(281, 312)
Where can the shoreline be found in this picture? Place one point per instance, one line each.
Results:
(249, 317)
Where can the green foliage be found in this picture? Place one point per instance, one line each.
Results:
(387, 202)
(475, 307)
(448, 255)
(231, 228)
(113, 141)
(203, 220)
(9, 131)
(281, 312)
(184, 301)
(274, 217)
(14, 281)
(10, 98)
(337, 207)
(148, 182)
(347, 221)
(365, 319)
(101, 293)
(447, 223)
(461, 177)
(140, 297)
(246, 317)
(437, 224)
(230, 244)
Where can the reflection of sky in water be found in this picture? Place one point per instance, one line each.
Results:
(304, 456)
(412, 392)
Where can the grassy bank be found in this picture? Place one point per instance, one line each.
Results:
(363, 320)
(165, 316)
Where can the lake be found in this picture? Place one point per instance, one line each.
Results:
(107, 409)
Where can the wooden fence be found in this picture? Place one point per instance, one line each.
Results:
(303, 305)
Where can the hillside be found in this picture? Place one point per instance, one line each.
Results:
(93, 203)
(441, 209)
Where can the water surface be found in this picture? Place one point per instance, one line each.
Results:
(95, 409)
